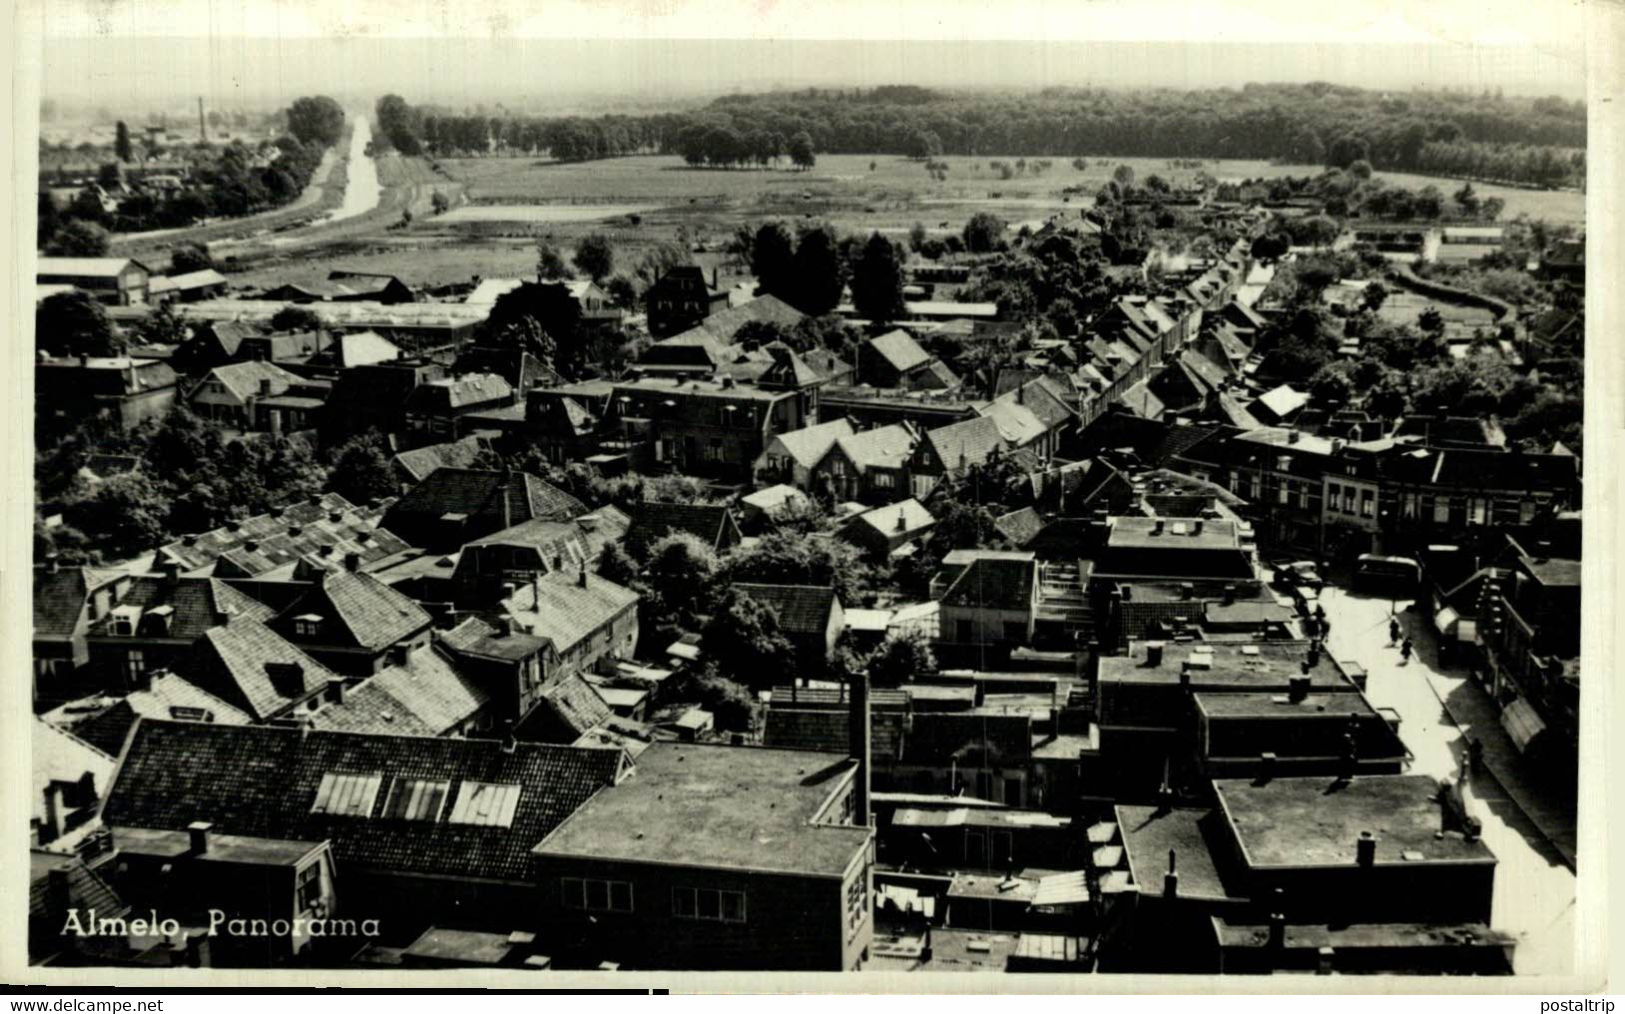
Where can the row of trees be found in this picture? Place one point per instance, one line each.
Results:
(726, 147)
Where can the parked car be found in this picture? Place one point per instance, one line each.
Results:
(1299, 574)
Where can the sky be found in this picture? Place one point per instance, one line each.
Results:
(657, 52)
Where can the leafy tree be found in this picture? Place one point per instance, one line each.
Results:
(78, 238)
(616, 564)
(790, 557)
(984, 232)
(877, 281)
(1373, 296)
(622, 291)
(903, 659)
(1333, 384)
(439, 203)
(318, 120)
(595, 255)
(819, 272)
(745, 641)
(162, 327)
(1360, 169)
(296, 319)
(801, 150)
(190, 257)
(680, 573)
(121, 143)
(123, 518)
(916, 236)
(922, 144)
(772, 257)
(961, 524)
(1431, 321)
(732, 704)
(1123, 176)
(362, 469)
(1387, 399)
(75, 324)
(550, 266)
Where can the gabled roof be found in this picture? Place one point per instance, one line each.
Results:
(788, 369)
(724, 324)
(1281, 401)
(88, 267)
(778, 501)
(245, 379)
(368, 613)
(994, 582)
(167, 697)
(800, 608)
(420, 462)
(360, 348)
(1019, 527)
(249, 665)
(487, 292)
(653, 520)
(423, 694)
(1017, 423)
(189, 280)
(460, 392)
(87, 891)
(907, 517)
(899, 349)
(60, 756)
(177, 773)
(560, 608)
(807, 446)
(881, 447)
(970, 442)
(197, 604)
(60, 595)
(571, 705)
(475, 492)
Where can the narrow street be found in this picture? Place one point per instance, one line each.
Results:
(1534, 882)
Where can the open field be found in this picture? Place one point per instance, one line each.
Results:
(501, 205)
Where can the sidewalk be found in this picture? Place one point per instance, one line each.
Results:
(1473, 711)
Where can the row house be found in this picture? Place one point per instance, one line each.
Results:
(682, 299)
(869, 467)
(1530, 631)
(67, 602)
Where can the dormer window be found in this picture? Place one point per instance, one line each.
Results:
(125, 621)
(308, 625)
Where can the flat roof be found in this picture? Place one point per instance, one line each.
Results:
(699, 388)
(1258, 665)
(1336, 706)
(468, 946)
(1173, 533)
(1315, 821)
(739, 808)
(225, 848)
(1150, 833)
(1362, 935)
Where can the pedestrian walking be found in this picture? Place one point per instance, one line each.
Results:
(1405, 652)
(1393, 633)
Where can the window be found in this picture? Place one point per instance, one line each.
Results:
(1283, 495)
(486, 803)
(1408, 506)
(1254, 486)
(308, 887)
(975, 847)
(308, 625)
(1333, 490)
(885, 480)
(708, 904)
(1441, 510)
(963, 632)
(1303, 497)
(1526, 512)
(134, 663)
(713, 451)
(589, 895)
(857, 901)
(416, 799)
(1368, 503)
(1477, 510)
(347, 795)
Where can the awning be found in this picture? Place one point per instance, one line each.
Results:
(1521, 723)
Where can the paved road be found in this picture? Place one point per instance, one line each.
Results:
(1534, 885)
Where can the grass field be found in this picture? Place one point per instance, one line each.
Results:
(501, 205)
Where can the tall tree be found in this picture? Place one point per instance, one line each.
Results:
(983, 232)
(744, 639)
(801, 150)
(819, 272)
(595, 255)
(190, 257)
(75, 324)
(772, 254)
(877, 281)
(550, 265)
(78, 238)
(362, 469)
(121, 143)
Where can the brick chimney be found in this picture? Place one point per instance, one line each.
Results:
(581, 582)
(1153, 653)
(198, 832)
(352, 562)
(1298, 689)
(1170, 880)
(1365, 849)
(860, 747)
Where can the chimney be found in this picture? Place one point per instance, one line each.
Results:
(326, 549)
(1170, 880)
(265, 388)
(1185, 675)
(189, 540)
(1196, 529)
(1297, 689)
(1266, 765)
(506, 625)
(859, 735)
(1291, 436)
(335, 691)
(335, 517)
(84, 360)
(1187, 590)
(1312, 658)
(171, 572)
(1156, 528)
(251, 546)
(581, 582)
(198, 832)
(902, 520)
(1229, 594)
(1153, 653)
(1365, 849)
(352, 562)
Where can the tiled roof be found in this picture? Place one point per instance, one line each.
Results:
(881, 447)
(1019, 527)
(87, 891)
(251, 666)
(370, 614)
(263, 780)
(59, 600)
(558, 608)
(60, 756)
(800, 608)
(476, 637)
(478, 493)
(935, 377)
(788, 369)
(168, 697)
(993, 583)
(1139, 399)
(809, 444)
(825, 729)
(459, 392)
(900, 350)
(653, 520)
(1018, 424)
(420, 462)
(199, 604)
(189, 280)
(288, 534)
(245, 379)
(422, 695)
(724, 324)
(574, 705)
(970, 442)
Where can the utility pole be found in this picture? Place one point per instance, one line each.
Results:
(202, 124)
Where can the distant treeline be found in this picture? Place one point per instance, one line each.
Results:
(1537, 141)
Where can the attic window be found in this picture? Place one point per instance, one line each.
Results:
(487, 803)
(416, 799)
(125, 620)
(185, 714)
(347, 795)
(308, 625)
